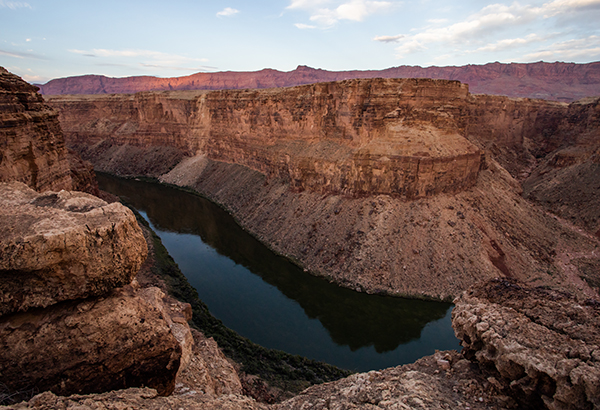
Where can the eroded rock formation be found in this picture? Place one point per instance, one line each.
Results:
(380, 185)
(63, 245)
(32, 146)
(70, 321)
(551, 81)
(544, 344)
(67, 324)
(354, 138)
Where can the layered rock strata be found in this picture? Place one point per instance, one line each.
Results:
(65, 245)
(89, 346)
(543, 344)
(32, 146)
(352, 138)
(380, 185)
(70, 320)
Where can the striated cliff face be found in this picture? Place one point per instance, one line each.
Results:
(352, 138)
(32, 146)
(551, 81)
(567, 180)
(379, 185)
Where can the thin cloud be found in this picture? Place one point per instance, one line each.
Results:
(304, 26)
(569, 50)
(13, 5)
(16, 54)
(510, 43)
(389, 39)
(196, 68)
(145, 58)
(327, 13)
(227, 11)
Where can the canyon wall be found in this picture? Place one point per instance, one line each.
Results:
(352, 138)
(72, 317)
(379, 185)
(32, 146)
(551, 81)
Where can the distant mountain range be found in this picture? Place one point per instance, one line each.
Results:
(551, 81)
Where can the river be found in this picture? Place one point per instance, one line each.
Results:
(273, 302)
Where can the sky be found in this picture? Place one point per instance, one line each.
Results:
(45, 39)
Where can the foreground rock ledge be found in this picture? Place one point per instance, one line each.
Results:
(545, 344)
(63, 246)
(90, 346)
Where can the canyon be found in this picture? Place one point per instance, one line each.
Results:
(470, 207)
(394, 186)
(565, 82)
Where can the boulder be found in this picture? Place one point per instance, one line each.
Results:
(63, 245)
(87, 346)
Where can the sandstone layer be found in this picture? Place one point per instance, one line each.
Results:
(65, 245)
(89, 346)
(567, 180)
(379, 185)
(551, 81)
(353, 138)
(544, 344)
(32, 146)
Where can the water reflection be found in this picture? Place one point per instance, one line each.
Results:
(288, 309)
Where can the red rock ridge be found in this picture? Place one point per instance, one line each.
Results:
(552, 81)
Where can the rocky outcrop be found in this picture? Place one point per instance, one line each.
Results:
(139, 398)
(353, 138)
(445, 380)
(89, 346)
(65, 245)
(32, 146)
(69, 320)
(544, 344)
(551, 81)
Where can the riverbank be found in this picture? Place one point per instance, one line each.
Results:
(273, 302)
(281, 373)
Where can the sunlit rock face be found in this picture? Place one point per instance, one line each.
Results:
(357, 138)
(550, 81)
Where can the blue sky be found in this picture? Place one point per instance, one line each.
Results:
(45, 39)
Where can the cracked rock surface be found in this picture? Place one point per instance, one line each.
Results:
(544, 344)
(59, 246)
